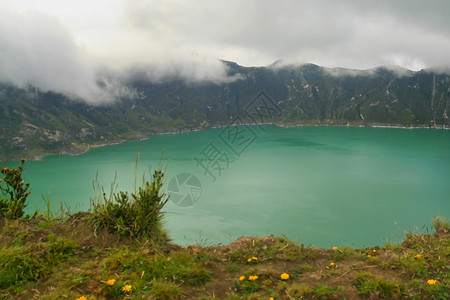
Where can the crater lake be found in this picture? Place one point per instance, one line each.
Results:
(324, 186)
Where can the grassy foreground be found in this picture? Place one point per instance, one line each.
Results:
(43, 258)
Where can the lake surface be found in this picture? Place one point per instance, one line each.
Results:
(325, 186)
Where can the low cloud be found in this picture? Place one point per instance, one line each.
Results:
(189, 68)
(37, 50)
(396, 70)
(72, 50)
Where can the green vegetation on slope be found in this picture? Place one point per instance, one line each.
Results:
(35, 123)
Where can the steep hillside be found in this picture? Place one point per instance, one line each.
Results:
(35, 123)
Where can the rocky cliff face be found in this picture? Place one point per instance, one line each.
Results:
(34, 123)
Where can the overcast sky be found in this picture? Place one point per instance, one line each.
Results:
(61, 45)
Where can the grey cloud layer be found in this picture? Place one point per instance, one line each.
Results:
(186, 39)
(37, 50)
(355, 34)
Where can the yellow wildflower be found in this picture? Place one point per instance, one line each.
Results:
(374, 251)
(271, 298)
(253, 258)
(81, 298)
(368, 255)
(111, 282)
(242, 278)
(285, 276)
(251, 278)
(335, 248)
(432, 281)
(127, 288)
(418, 256)
(332, 264)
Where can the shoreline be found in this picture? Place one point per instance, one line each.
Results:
(87, 147)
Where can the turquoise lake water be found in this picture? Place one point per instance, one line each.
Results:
(324, 186)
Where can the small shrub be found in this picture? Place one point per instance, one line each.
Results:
(14, 192)
(138, 214)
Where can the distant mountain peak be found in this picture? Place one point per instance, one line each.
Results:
(276, 63)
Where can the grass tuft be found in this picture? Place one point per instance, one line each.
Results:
(441, 223)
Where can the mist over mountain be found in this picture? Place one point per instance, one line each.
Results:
(36, 122)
